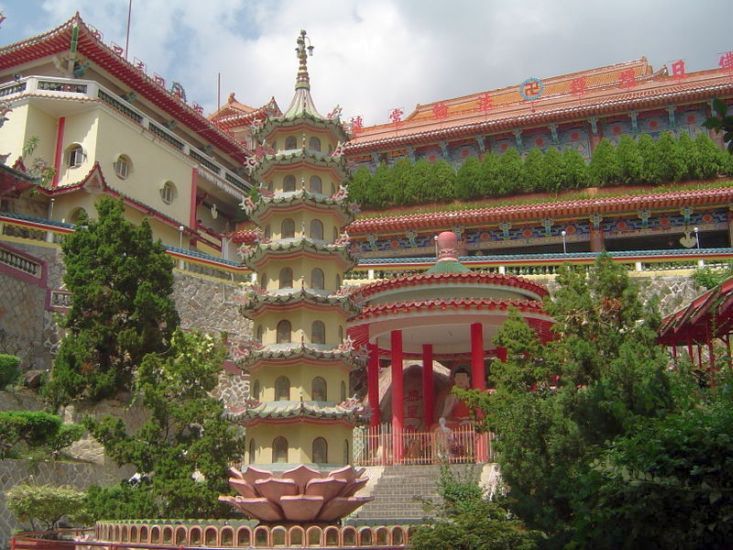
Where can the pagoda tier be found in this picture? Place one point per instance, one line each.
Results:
(302, 157)
(258, 257)
(283, 411)
(260, 303)
(303, 201)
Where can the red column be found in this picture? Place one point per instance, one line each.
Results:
(597, 243)
(477, 357)
(398, 398)
(59, 154)
(427, 385)
(373, 383)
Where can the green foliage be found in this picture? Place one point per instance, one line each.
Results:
(721, 121)
(711, 161)
(553, 172)
(9, 370)
(605, 168)
(186, 433)
(468, 180)
(35, 430)
(43, 506)
(511, 173)
(574, 170)
(670, 158)
(533, 173)
(489, 182)
(467, 521)
(652, 169)
(708, 278)
(121, 284)
(630, 160)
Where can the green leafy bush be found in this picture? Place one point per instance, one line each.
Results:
(35, 430)
(670, 158)
(43, 506)
(605, 168)
(630, 160)
(9, 370)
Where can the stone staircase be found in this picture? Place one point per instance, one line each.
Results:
(399, 491)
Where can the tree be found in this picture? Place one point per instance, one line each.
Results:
(652, 170)
(442, 182)
(9, 370)
(533, 173)
(630, 160)
(711, 159)
(671, 158)
(184, 449)
(721, 121)
(553, 176)
(604, 165)
(510, 174)
(468, 179)
(489, 174)
(574, 169)
(121, 284)
(43, 506)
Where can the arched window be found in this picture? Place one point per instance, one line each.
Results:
(168, 192)
(288, 183)
(343, 391)
(255, 393)
(314, 144)
(318, 389)
(279, 450)
(335, 233)
(74, 155)
(341, 333)
(267, 233)
(317, 230)
(282, 388)
(320, 451)
(263, 281)
(287, 229)
(347, 454)
(318, 332)
(258, 336)
(283, 332)
(316, 184)
(123, 167)
(338, 281)
(286, 278)
(317, 278)
(291, 142)
(251, 451)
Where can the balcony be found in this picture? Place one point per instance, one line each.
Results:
(43, 86)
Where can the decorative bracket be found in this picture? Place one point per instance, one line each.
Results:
(596, 220)
(411, 153)
(553, 131)
(481, 141)
(505, 227)
(634, 121)
(444, 150)
(518, 138)
(644, 217)
(593, 125)
(547, 224)
(672, 119)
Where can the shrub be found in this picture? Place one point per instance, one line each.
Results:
(45, 505)
(468, 179)
(9, 371)
(710, 158)
(630, 160)
(35, 429)
(651, 169)
(604, 166)
(553, 171)
(574, 170)
(489, 178)
(671, 159)
(533, 174)
(510, 174)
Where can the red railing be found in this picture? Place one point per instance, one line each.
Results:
(375, 446)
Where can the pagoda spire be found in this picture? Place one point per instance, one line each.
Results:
(302, 103)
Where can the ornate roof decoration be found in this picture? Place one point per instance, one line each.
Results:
(365, 292)
(256, 300)
(235, 114)
(296, 156)
(453, 304)
(251, 256)
(302, 102)
(555, 210)
(302, 197)
(350, 410)
(88, 44)
(465, 118)
(343, 354)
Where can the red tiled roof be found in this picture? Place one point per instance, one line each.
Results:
(511, 112)
(59, 40)
(561, 209)
(473, 304)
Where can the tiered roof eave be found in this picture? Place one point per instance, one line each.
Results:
(257, 256)
(302, 198)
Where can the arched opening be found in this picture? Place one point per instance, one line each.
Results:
(263, 281)
(318, 332)
(123, 167)
(78, 215)
(74, 155)
(168, 192)
(258, 334)
(287, 228)
(317, 230)
(282, 388)
(319, 391)
(317, 278)
(251, 453)
(278, 536)
(320, 451)
(291, 142)
(347, 453)
(338, 281)
(288, 183)
(283, 332)
(314, 144)
(286, 278)
(256, 390)
(341, 334)
(342, 393)
(316, 185)
(280, 450)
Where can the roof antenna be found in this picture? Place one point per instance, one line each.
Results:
(127, 38)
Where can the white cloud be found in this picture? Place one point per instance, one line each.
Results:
(373, 55)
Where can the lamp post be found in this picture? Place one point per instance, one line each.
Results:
(697, 236)
(564, 244)
(180, 236)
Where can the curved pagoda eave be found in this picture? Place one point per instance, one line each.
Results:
(283, 249)
(307, 120)
(283, 410)
(284, 202)
(300, 352)
(301, 156)
(262, 303)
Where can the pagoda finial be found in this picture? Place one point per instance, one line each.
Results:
(303, 51)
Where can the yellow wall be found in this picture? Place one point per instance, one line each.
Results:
(303, 176)
(302, 270)
(301, 380)
(278, 138)
(301, 322)
(300, 438)
(79, 128)
(25, 122)
(302, 222)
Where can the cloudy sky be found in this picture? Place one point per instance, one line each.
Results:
(373, 55)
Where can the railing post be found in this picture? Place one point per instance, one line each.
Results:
(502, 270)
(638, 266)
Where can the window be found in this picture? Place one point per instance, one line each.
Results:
(347, 454)
(318, 332)
(286, 278)
(341, 333)
(75, 156)
(335, 233)
(283, 332)
(291, 142)
(268, 232)
(316, 184)
(280, 450)
(317, 278)
(343, 391)
(123, 167)
(263, 281)
(318, 389)
(282, 388)
(288, 183)
(258, 336)
(255, 393)
(338, 281)
(314, 144)
(317, 230)
(320, 451)
(168, 192)
(251, 451)
(287, 229)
